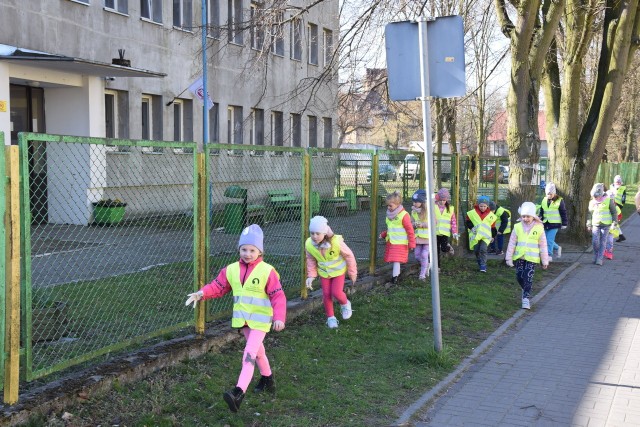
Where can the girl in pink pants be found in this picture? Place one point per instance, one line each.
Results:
(329, 257)
(259, 303)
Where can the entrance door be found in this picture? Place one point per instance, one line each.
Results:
(27, 115)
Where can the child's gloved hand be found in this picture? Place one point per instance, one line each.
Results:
(194, 298)
(278, 325)
(456, 236)
(564, 227)
(353, 280)
(509, 263)
(309, 283)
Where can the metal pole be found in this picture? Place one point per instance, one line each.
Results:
(426, 128)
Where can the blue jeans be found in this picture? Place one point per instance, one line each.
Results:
(599, 237)
(497, 244)
(551, 239)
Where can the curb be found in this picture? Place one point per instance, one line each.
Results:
(79, 386)
(454, 376)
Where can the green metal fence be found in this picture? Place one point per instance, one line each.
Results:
(630, 172)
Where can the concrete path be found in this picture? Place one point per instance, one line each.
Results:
(573, 360)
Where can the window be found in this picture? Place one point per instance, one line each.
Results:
(328, 132)
(277, 35)
(313, 44)
(234, 125)
(296, 130)
(214, 124)
(234, 21)
(256, 133)
(183, 14)
(277, 130)
(183, 123)
(214, 18)
(151, 9)
(116, 117)
(257, 28)
(151, 122)
(313, 131)
(121, 6)
(296, 39)
(81, 1)
(327, 35)
(110, 115)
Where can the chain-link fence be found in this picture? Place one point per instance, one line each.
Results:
(629, 172)
(115, 233)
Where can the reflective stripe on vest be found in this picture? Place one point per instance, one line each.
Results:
(396, 234)
(527, 245)
(552, 211)
(443, 221)
(251, 304)
(499, 213)
(619, 193)
(601, 212)
(421, 232)
(482, 228)
(331, 264)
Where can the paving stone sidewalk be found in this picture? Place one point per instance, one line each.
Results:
(573, 360)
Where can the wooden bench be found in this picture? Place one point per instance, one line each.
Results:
(283, 201)
(334, 206)
(254, 215)
(382, 193)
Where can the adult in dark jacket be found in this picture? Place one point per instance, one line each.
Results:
(553, 214)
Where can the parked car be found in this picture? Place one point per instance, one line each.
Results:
(488, 174)
(412, 167)
(386, 172)
(505, 174)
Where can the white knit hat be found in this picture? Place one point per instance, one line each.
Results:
(527, 208)
(550, 188)
(319, 224)
(617, 179)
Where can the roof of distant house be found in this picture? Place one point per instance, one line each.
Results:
(499, 129)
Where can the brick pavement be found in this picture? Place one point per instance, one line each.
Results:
(573, 360)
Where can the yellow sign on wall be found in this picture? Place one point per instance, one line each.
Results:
(3, 106)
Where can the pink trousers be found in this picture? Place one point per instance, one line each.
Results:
(332, 288)
(253, 354)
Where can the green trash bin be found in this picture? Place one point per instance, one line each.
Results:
(234, 213)
(350, 195)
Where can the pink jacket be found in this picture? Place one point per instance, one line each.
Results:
(220, 286)
(347, 254)
(400, 253)
(542, 243)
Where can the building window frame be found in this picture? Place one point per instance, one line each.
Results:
(277, 130)
(213, 20)
(295, 38)
(327, 43)
(118, 6)
(277, 34)
(296, 130)
(312, 130)
(234, 22)
(183, 14)
(257, 27)
(312, 45)
(151, 11)
(327, 128)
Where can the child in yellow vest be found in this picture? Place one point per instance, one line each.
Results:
(481, 224)
(602, 213)
(527, 247)
(446, 223)
(330, 258)
(259, 305)
(420, 222)
(399, 235)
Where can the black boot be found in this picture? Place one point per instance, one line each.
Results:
(621, 238)
(394, 280)
(233, 398)
(265, 383)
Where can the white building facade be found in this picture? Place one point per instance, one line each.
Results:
(270, 77)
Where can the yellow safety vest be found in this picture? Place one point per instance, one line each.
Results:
(615, 230)
(421, 232)
(619, 191)
(331, 264)
(482, 228)
(601, 212)
(443, 221)
(552, 211)
(499, 212)
(251, 304)
(396, 234)
(527, 246)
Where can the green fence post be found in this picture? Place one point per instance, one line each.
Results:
(373, 233)
(305, 217)
(201, 232)
(26, 295)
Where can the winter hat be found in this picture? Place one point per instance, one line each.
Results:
(319, 224)
(484, 200)
(617, 179)
(550, 188)
(492, 206)
(597, 190)
(252, 235)
(443, 195)
(527, 208)
(420, 196)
